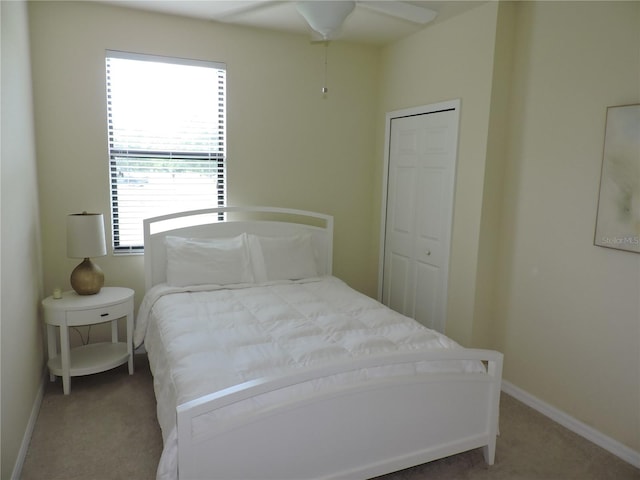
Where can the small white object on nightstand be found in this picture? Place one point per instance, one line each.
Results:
(72, 310)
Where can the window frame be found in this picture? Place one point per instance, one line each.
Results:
(219, 156)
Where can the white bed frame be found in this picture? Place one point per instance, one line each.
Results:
(361, 430)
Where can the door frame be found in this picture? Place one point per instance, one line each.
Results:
(389, 117)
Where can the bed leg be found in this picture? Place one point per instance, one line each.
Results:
(489, 452)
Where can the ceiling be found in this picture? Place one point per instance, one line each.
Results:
(362, 25)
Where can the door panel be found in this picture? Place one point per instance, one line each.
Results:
(398, 272)
(422, 150)
(405, 182)
(430, 203)
(427, 282)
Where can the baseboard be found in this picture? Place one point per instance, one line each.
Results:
(613, 446)
(26, 439)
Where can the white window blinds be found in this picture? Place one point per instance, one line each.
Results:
(167, 126)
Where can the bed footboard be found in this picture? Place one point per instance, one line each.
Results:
(358, 430)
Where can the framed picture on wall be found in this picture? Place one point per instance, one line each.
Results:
(618, 217)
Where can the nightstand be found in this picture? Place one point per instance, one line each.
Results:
(72, 310)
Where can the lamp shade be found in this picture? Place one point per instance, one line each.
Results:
(85, 235)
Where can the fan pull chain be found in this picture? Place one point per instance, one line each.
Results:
(325, 90)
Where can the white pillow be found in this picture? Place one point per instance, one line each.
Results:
(282, 258)
(216, 261)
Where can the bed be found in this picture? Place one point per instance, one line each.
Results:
(266, 366)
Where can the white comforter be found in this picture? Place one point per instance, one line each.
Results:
(206, 339)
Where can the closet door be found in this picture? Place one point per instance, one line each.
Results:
(422, 151)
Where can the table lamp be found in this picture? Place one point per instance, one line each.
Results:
(85, 238)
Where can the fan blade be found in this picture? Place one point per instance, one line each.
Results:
(404, 10)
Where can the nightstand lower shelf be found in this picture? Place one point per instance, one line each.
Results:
(92, 358)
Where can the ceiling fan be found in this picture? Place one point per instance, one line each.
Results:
(325, 17)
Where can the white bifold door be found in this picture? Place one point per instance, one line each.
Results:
(418, 211)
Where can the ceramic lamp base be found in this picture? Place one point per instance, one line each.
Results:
(87, 278)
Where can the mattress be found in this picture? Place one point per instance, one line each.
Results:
(205, 339)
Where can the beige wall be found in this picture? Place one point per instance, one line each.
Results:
(489, 249)
(21, 344)
(535, 80)
(287, 146)
(569, 319)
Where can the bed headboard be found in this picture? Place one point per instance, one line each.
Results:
(264, 221)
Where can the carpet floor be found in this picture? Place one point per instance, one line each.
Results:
(106, 429)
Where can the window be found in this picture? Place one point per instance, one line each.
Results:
(167, 123)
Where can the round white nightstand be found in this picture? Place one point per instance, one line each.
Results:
(72, 310)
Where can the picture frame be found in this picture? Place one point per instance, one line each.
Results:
(618, 213)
